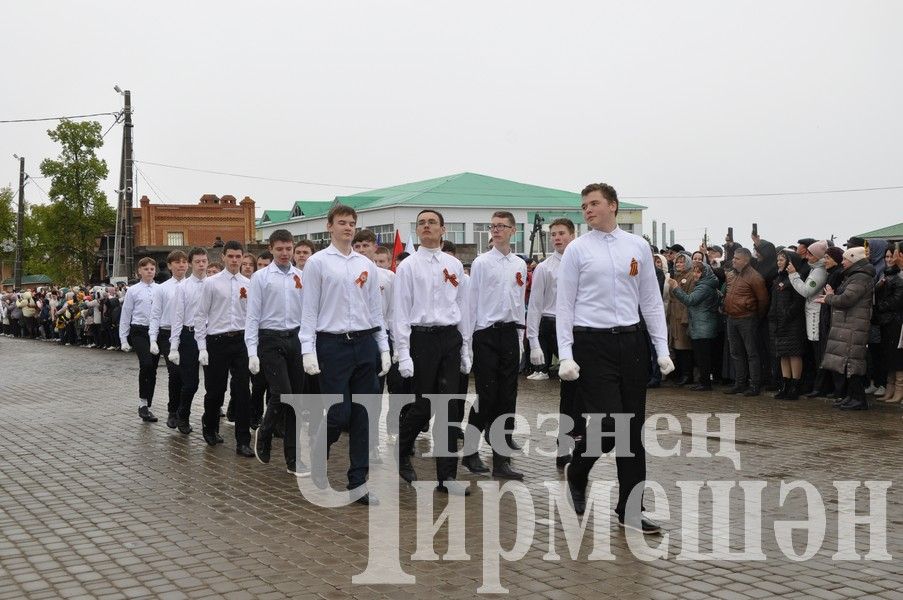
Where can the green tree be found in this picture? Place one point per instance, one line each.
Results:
(7, 228)
(78, 213)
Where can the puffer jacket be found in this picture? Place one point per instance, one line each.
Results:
(786, 317)
(810, 288)
(746, 294)
(889, 298)
(851, 313)
(702, 303)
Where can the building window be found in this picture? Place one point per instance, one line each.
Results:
(454, 232)
(321, 238)
(628, 227)
(385, 234)
(482, 237)
(175, 238)
(299, 237)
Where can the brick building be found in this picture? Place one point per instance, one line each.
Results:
(176, 225)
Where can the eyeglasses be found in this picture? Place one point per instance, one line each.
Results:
(499, 227)
(430, 222)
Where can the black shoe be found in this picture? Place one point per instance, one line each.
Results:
(184, 426)
(474, 464)
(210, 437)
(501, 468)
(172, 421)
(577, 494)
(737, 389)
(368, 499)
(562, 461)
(643, 525)
(683, 381)
(792, 391)
(146, 415)
(700, 387)
(406, 469)
(752, 391)
(813, 394)
(785, 388)
(855, 405)
(298, 469)
(244, 450)
(840, 402)
(453, 488)
(262, 446)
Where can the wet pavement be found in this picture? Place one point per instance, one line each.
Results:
(96, 504)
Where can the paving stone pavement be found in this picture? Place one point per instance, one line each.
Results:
(96, 504)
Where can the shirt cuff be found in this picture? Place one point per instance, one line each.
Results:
(565, 353)
(534, 343)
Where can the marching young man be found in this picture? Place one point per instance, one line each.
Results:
(541, 324)
(134, 325)
(606, 278)
(160, 324)
(496, 295)
(219, 328)
(183, 349)
(432, 342)
(304, 249)
(344, 341)
(271, 336)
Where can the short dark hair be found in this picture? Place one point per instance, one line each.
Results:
(504, 214)
(216, 264)
(309, 244)
(233, 245)
(364, 235)
(449, 246)
(563, 222)
(196, 251)
(338, 210)
(281, 235)
(382, 250)
(176, 255)
(147, 260)
(266, 255)
(743, 252)
(607, 191)
(435, 212)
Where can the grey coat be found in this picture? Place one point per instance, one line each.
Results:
(851, 314)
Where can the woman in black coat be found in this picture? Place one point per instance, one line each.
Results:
(787, 326)
(888, 315)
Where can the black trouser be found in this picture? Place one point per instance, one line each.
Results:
(174, 371)
(189, 369)
(227, 355)
(259, 389)
(348, 367)
(567, 403)
(685, 363)
(280, 362)
(395, 384)
(743, 338)
(437, 366)
(702, 354)
(147, 362)
(495, 364)
(548, 342)
(613, 372)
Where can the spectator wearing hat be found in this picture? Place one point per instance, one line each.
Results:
(810, 288)
(851, 313)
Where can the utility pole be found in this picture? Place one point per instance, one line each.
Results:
(20, 227)
(655, 233)
(123, 245)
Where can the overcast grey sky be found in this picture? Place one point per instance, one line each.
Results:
(657, 98)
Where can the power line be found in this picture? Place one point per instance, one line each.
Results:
(160, 195)
(460, 192)
(37, 119)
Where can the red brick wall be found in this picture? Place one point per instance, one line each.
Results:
(199, 224)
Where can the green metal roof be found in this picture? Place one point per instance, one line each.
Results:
(310, 208)
(275, 216)
(894, 232)
(469, 189)
(29, 280)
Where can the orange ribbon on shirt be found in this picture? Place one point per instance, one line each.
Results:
(242, 293)
(298, 285)
(450, 277)
(520, 279)
(362, 279)
(634, 267)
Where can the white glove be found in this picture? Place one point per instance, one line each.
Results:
(386, 359)
(203, 358)
(395, 357)
(154, 348)
(253, 365)
(174, 357)
(311, 365)
(665, 364)
(537, 357)
(126, 347)
(466, 361)
(406, 368)
(568, 370)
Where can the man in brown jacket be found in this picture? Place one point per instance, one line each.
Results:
(745, 303)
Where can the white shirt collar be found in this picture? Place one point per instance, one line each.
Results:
(499, 256)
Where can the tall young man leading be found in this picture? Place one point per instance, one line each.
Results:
(134, 325)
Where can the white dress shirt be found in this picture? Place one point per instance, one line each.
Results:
(386, 285)
(160, 315)
(497, 289)
(184, 307)
(136, 307)
(429, 291)
(596, 288)
(543, 296)
(222, 307)
(342, 295)
(274, 302)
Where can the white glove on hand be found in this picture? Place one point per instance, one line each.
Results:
(154, 348)
(406, 368)
(466, 361)
(203, 358)
(125, 347)
(395, 357)
(311, 365)
(537, 357)
(568, 370)
(665, 364)
(386, 359)
(253, 365)
(174, 357)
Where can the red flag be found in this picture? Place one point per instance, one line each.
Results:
(397, 249)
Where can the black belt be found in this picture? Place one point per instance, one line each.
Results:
(432, 328)
(545, 318)
(279, 332)
(134, 326)
(506, 325)
(228, 334)
(611, 330)
(351, 335)
(187, 329)
(166, 329)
